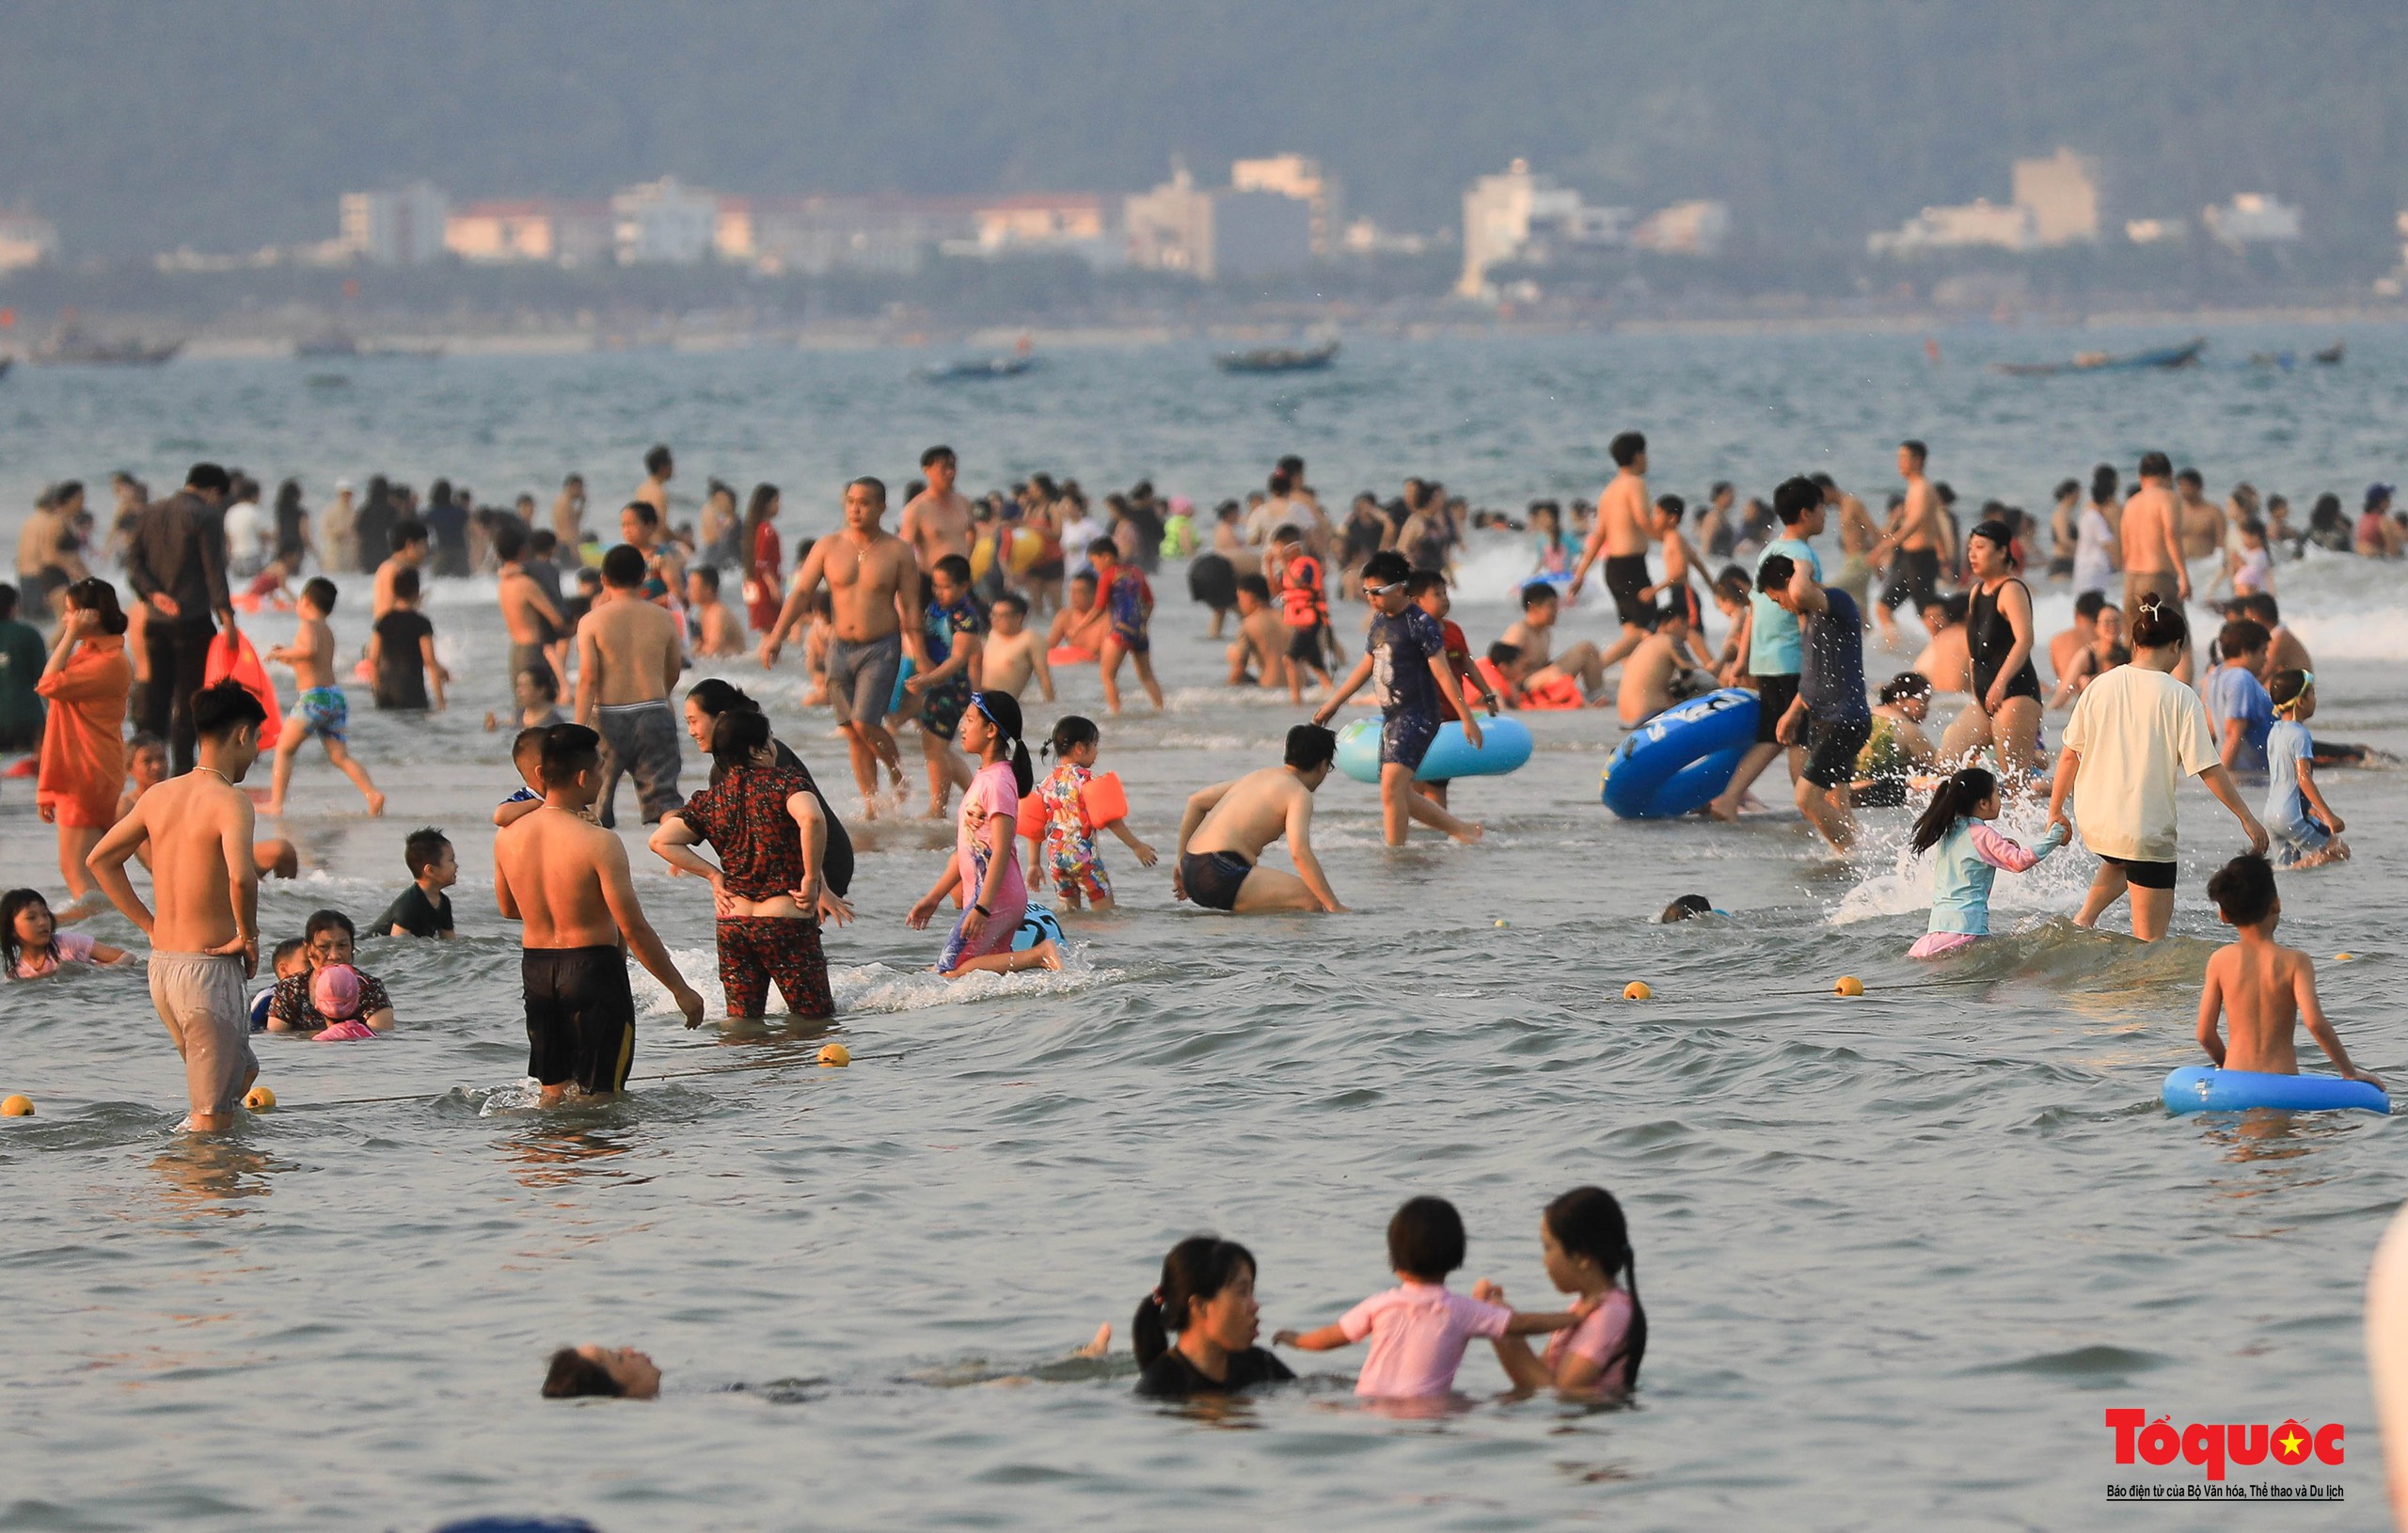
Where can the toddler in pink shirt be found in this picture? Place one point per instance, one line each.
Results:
(1419, 1330)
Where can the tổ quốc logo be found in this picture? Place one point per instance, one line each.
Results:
(2216, 1449)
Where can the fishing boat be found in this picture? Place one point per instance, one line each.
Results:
(1279, 359)
(71, 344)
(2329, 356)
(2164, 357)
(973, 368)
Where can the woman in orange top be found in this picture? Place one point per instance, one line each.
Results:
(82, 749)
(764, 577)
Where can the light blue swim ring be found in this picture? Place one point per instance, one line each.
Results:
(1676, 762)
(1035, 927)
(2202, 1088)
(1505, 745)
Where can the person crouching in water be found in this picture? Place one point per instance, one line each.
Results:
(983, 869)
(765, 823)
(1970, 854)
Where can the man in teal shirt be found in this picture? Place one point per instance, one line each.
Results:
(1775, 649)
(21, 656)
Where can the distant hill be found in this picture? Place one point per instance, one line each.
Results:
(225, 125)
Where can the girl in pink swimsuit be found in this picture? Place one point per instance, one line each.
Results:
(983, 871)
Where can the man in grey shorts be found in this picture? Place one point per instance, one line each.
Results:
(628, 655)
(204, 939)
(874, 587)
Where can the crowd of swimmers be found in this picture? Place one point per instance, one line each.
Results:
(934, 625)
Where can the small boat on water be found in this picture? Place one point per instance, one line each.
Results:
(2165, 356)
(71, 344)
(1279, 359)
(973, 368)
(341, 345)
(5, 363)
(2329, 356)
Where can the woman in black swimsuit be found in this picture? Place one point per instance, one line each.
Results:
(2005, 710)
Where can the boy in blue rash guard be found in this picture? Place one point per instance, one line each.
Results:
(2305, 831)
(1775, 651)
(1408, 657)
(1828, 717)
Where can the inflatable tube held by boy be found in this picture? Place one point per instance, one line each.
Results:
(902, 703)
(1036, 926)
(1676, 762)
(1505, 746)
(2202, 1088)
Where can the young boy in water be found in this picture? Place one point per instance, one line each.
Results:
(422, 909)
(1407, 663)
(1013, 652)
(321, 708)
(2267, 990)
(1262, 638)
(2296, 814)
(1128, 602)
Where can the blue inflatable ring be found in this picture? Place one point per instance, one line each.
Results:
(2201, 1088)
(1676, 762)
(1035, 928)
(1505, 745)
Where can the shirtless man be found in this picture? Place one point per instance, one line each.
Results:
(527, 609)
(411, 542)
(874, 584)
(1623, 531)
(659, 467)
(1916, 545)
(1680, 562)
(2151, 538)
(568, 517)
(1013, 653)
(566, 881)
(2199, 521)
(1222, 835)
(1261, 644)
(721, 631)
(936, 521)
(321, 709)
(628, 655)
(204, 939)
(1534, 636)
(1658, 672)
(1082, 623)
(1859, 536)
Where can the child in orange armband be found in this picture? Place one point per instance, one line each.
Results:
(1062, 816)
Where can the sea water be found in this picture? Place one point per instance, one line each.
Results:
(1899, 1253)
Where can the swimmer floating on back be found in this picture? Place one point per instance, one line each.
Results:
(1970, 854)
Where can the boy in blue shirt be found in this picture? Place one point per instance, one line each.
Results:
(2302, 839)
(1408, 655)
(2237, 701)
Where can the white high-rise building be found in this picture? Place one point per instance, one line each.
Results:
(401, 228)
(664, 222)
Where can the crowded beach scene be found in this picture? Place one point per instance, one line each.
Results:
(700, 833)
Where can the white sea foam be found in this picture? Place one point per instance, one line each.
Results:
(874, 987)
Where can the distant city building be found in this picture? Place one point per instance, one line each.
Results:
(814, 235)
(2062, 193)
(1979, 221)
(663, 222)
(1366, 238)
(2252, 219)
(401, 227)
(26, 238)
(1302, 178)
(1685, 229)
(1524, 217)
(1219, 233)
(2056, 203)
(1085, 223)
(2156, 230)
(1170, 228)
(545, 230)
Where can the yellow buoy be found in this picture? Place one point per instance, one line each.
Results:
(2343, 957)
(17, 1107)
(1848, 984)
(260, 1100)
(1501, 921)
(836, 1056)
(1637, 990)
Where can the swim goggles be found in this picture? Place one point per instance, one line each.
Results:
(2307, 683)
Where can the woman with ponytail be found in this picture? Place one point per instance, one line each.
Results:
(1970, 854)
(2137, 732)
(1585, 1243)
(983, 871)
(1207, 1296)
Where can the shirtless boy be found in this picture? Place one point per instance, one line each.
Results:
(873, 583)
(628, 655)
(936, 521)
(1261, 643)
(321, 709)
(566, 880)
(1534, 636)
(411, 542)
(1227, 825)
(527, 610)
(2151, 538)
(1013, 651)
(2199, 522)
(1658, 674)
(1083, 623)
(1625, 521)
(659, 467)
(1915, 547)
(720, 630)
(2267, 990)
(204, 939)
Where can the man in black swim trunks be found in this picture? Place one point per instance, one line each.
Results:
(566, 879)
(1222, 835)
(1830, 716)
(1625, 526)
(1917, 545)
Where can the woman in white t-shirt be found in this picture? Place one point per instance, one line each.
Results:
(2135, 733)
